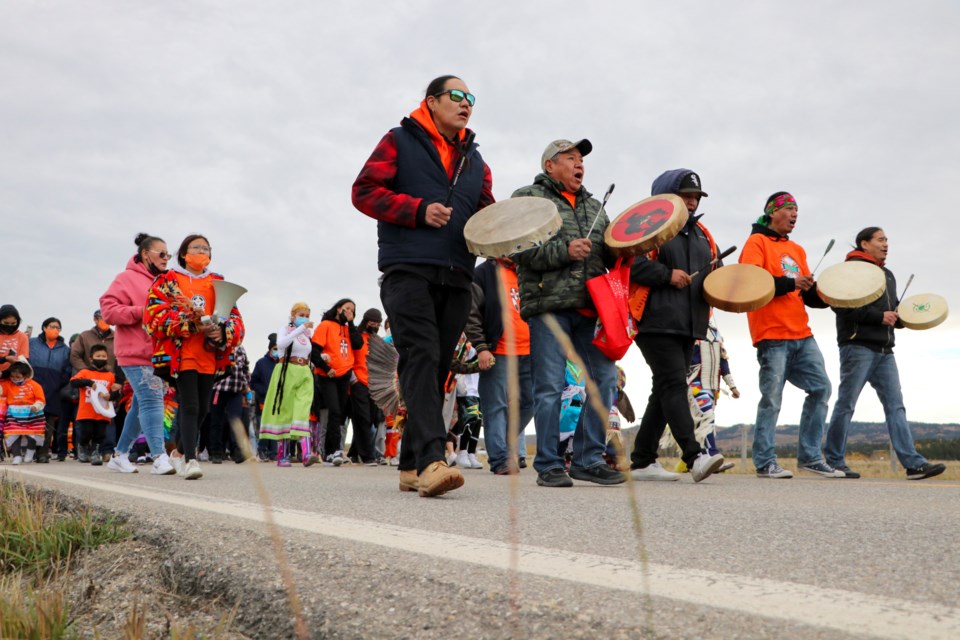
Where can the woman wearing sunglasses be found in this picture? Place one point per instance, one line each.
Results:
(189, 341)
(427, 271)
(122, 306)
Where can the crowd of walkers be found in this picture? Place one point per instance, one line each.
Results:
(164, 364)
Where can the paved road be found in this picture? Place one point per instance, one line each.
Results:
(733, 557)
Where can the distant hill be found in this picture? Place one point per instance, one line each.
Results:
(861, 433)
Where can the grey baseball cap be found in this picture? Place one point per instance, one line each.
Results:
(559, 146)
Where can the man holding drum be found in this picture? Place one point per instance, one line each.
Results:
(427, 270)
(865, 336)
(552, 280)
(786, 349)
(675, 316)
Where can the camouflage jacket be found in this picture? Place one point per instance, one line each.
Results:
(548, 279)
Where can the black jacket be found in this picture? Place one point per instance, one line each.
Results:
(485, 324)
(864, 325)
(670, 310)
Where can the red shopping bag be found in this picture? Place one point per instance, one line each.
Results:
(616, 328)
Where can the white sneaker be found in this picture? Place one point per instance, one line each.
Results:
(452, 460)
(705, 465)
(655, 473)
(204, 456)
(28, 456)
(162, 467)
(474, 463)
(177, 463)
(120, 464)
(17, 459)
(337, 459)
(463, 460)
(191, 470)
(394, 461)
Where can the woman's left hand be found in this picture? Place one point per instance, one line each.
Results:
(213, 332)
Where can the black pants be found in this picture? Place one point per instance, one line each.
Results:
(334, 392)
(361, 415)
(92, 434)
(49, 436)
(193, 393)
(668, 357)
(227, 409)
(426, 321)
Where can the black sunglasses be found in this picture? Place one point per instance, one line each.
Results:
(457, 96)
(160, 254)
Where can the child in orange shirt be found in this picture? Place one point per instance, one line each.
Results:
(24, 424)
(92, 417)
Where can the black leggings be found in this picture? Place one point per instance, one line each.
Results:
(193, 394)
(334, 392)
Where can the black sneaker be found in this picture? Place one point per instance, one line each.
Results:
(820, 468)
(601, 474)
(554, 478)
(522, 463)
(926, 470)
(216, 458)
(847, 471)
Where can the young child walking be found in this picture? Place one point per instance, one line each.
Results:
(96, 402)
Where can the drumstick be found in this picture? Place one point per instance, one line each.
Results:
(829, 246)
(909, 280)
(602, 205)
(715, 261)
(467, 141)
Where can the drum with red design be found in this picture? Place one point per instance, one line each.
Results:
(646, 225)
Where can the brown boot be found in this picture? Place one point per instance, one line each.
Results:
(438, 478)
(409, 481)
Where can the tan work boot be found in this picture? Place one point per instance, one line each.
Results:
(409, 481)
(438, 478)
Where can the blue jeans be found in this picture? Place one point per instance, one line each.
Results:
(549, 380)
(146, 411)
(493, 401)
(800, 363)
(859, 365)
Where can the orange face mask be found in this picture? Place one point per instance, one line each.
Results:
(103, 326)
(197, 261)
(51, 333)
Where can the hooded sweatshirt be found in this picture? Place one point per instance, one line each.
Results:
(864, 325)
(122, 306)
(784, 317)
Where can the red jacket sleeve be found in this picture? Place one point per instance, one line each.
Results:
(373, 193)
(486, 196)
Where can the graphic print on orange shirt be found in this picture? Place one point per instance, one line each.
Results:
(521, 332)
(194, 354)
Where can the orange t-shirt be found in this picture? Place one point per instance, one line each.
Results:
(360, 361)
(194, 355)
(784, 317)
(335, 340)
(15, 395)
(521, 331)
(85, 410)
(18, 342)
(571, 198)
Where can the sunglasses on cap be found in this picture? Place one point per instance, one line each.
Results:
(457, 96)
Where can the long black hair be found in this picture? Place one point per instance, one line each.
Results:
(331, 313)
(437, 85)
(865, 235)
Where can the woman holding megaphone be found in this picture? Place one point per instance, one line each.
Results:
(190, 344)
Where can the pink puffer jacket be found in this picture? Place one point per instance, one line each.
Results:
(122, 306)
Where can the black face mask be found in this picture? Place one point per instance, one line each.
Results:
(153, 269)
(342, 318)
(8, 329)
(99, 364)
(370, 328)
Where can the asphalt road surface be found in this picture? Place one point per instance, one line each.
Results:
(732, 557)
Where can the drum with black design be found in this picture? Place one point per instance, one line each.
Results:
(738, 288)
(646, 225)
(850, 285)
(923, 311)
(511, 226)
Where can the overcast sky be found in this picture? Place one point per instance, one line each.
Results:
(248, 122)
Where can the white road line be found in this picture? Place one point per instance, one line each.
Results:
(846, 611)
